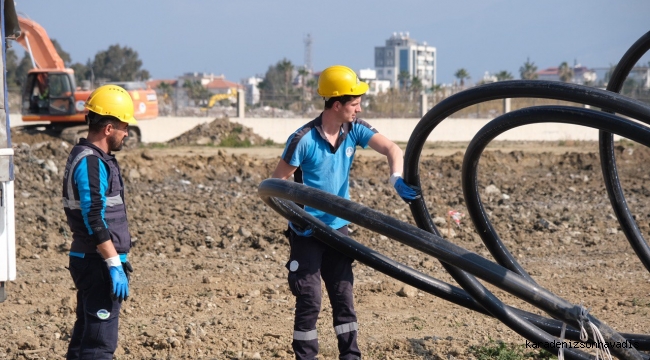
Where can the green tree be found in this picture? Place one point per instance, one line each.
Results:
(119, 64)
(461, 74)
(11, 63)
(276, 89)
(306, 94)
(23, 67)
(403, 79)
(62, 54)
(166, 90)
(82, 72)
(416, 85)
(436, 89)
(565, 72)
(285, 67)
(528, 71)
(503, 75)
(196, 91)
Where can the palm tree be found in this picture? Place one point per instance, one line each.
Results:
(565, 72)
(416, 85)
(403, 79)
(196, 91)
(304, 73)
(436, 89)
(461, 74)
(528, 71)
(286, 67)
(503, 75)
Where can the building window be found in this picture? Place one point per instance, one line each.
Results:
(404, 60)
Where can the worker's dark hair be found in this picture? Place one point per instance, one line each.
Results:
(342, 99)
(97, 122)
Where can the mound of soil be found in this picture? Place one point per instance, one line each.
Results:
(219, 132)
(209, 255)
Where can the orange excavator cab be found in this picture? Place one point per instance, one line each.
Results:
(50, 93)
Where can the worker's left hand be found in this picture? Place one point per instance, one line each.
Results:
(301, 232)
(407, 192)
(119, 283)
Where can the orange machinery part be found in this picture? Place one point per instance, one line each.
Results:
(145, 106)
(34, 37)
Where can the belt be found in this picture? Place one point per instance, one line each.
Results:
(83, 255)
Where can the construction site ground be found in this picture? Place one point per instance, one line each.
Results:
(209, 255)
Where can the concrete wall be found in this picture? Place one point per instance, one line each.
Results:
(278, 129)
(449, 130)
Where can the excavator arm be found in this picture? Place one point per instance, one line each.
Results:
(218, 97)
(34, 39)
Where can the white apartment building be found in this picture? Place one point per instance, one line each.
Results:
(375, 86)
(403, 54)
(581, 74)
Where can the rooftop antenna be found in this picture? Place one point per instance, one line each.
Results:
(308, 42)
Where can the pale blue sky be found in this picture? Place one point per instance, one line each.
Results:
(242, 38)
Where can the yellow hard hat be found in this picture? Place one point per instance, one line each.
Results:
(339, 80)
(112, 100)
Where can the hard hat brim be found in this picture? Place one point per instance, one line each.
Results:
(358, 90)
(361, 88)
(130, 121)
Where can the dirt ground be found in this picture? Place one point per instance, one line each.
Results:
(209, 255)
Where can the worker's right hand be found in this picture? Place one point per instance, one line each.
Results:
(407, 192)
(119, 283)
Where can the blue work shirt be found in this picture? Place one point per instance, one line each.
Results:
(323, 166)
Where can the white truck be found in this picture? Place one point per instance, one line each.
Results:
(10, 30)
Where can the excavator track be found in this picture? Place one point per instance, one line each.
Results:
(72, 134)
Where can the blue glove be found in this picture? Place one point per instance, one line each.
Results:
(119, 283)
(301, 232)
(406, 191)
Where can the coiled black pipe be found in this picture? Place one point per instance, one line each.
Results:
(608, 159)
(532, 115)
(445, 251)
(505, 89)
(514, 318)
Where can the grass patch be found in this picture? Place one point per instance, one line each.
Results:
(157, 145)
(233, 141)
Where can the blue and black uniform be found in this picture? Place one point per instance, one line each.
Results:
(93, 200)
(327, 168)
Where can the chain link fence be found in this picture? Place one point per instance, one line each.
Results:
(393, 104)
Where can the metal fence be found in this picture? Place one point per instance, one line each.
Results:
(391, 104)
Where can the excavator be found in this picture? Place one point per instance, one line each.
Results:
(51, 95)
(232, 93)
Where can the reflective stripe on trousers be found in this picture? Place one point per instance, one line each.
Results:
(346, 328)
(305, 335)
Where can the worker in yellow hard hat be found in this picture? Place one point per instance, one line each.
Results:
(320, 154)
(94, 204)
(110, 105)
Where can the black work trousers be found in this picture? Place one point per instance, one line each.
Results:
(310, 260)
(94, 335)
